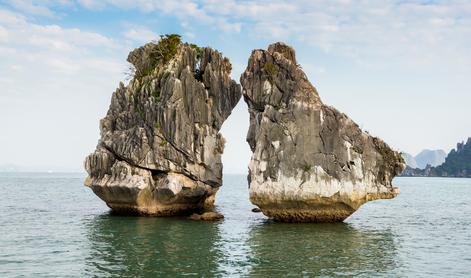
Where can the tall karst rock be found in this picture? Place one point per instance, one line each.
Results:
(310, 162)
(160, 147)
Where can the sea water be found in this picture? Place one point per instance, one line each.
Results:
(53, 226)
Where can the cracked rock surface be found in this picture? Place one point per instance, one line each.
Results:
(310, 162)
(160, 147)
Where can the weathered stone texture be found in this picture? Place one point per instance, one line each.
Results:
(310, 162)
(160, 147)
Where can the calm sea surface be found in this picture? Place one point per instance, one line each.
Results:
(52, 225)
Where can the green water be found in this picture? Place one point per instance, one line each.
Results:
(52, 226)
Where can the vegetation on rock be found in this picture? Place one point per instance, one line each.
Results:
(197, 49)
(307, 155)
(146, 59)
(161, 132)
(270, 69)
(457, 164)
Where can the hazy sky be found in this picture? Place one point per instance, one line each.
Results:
(400, 69)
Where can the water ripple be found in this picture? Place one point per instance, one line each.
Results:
(54, 226)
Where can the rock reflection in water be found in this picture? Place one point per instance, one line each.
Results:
(320, 249)
(243, 244)
(155, 247)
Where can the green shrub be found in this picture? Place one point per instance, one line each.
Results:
(197, 49)
(270, 69)
(307, 168)
(140, 111)
(160, 54)
(156, 94)
(167, 47)
(357, 149)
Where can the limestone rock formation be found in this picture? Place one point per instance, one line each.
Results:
(160, 147)
(310, 162)
(456, 165)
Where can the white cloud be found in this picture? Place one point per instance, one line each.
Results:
(10, 18)
(27, 6)
(54, 50)
(189, 35)
(92, 4)
(364, 31)
(184, 10)
(361, 30)
(63, 66)
(3, 34)
(140, 35)
(16, 67)
(50, 43)
(355, 29)
(56, 83)
(7, 51)
(73, 37)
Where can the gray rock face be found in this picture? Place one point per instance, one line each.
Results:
(310, 162)
(160, 147)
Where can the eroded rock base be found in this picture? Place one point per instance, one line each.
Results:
(317, 210)
(167, 195)
(326, 214)
(148, 206)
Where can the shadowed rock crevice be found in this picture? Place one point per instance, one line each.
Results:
(160, 147)
(310, 162)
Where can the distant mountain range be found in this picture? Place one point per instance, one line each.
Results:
(456, 164)
(424, 158)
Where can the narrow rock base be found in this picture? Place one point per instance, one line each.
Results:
(318, 210)
(156, 210)
(319, 215)
(141, 202)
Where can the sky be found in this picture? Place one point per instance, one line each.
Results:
(400, 69)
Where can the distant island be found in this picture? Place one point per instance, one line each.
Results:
(426, 157)
(456, 164)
